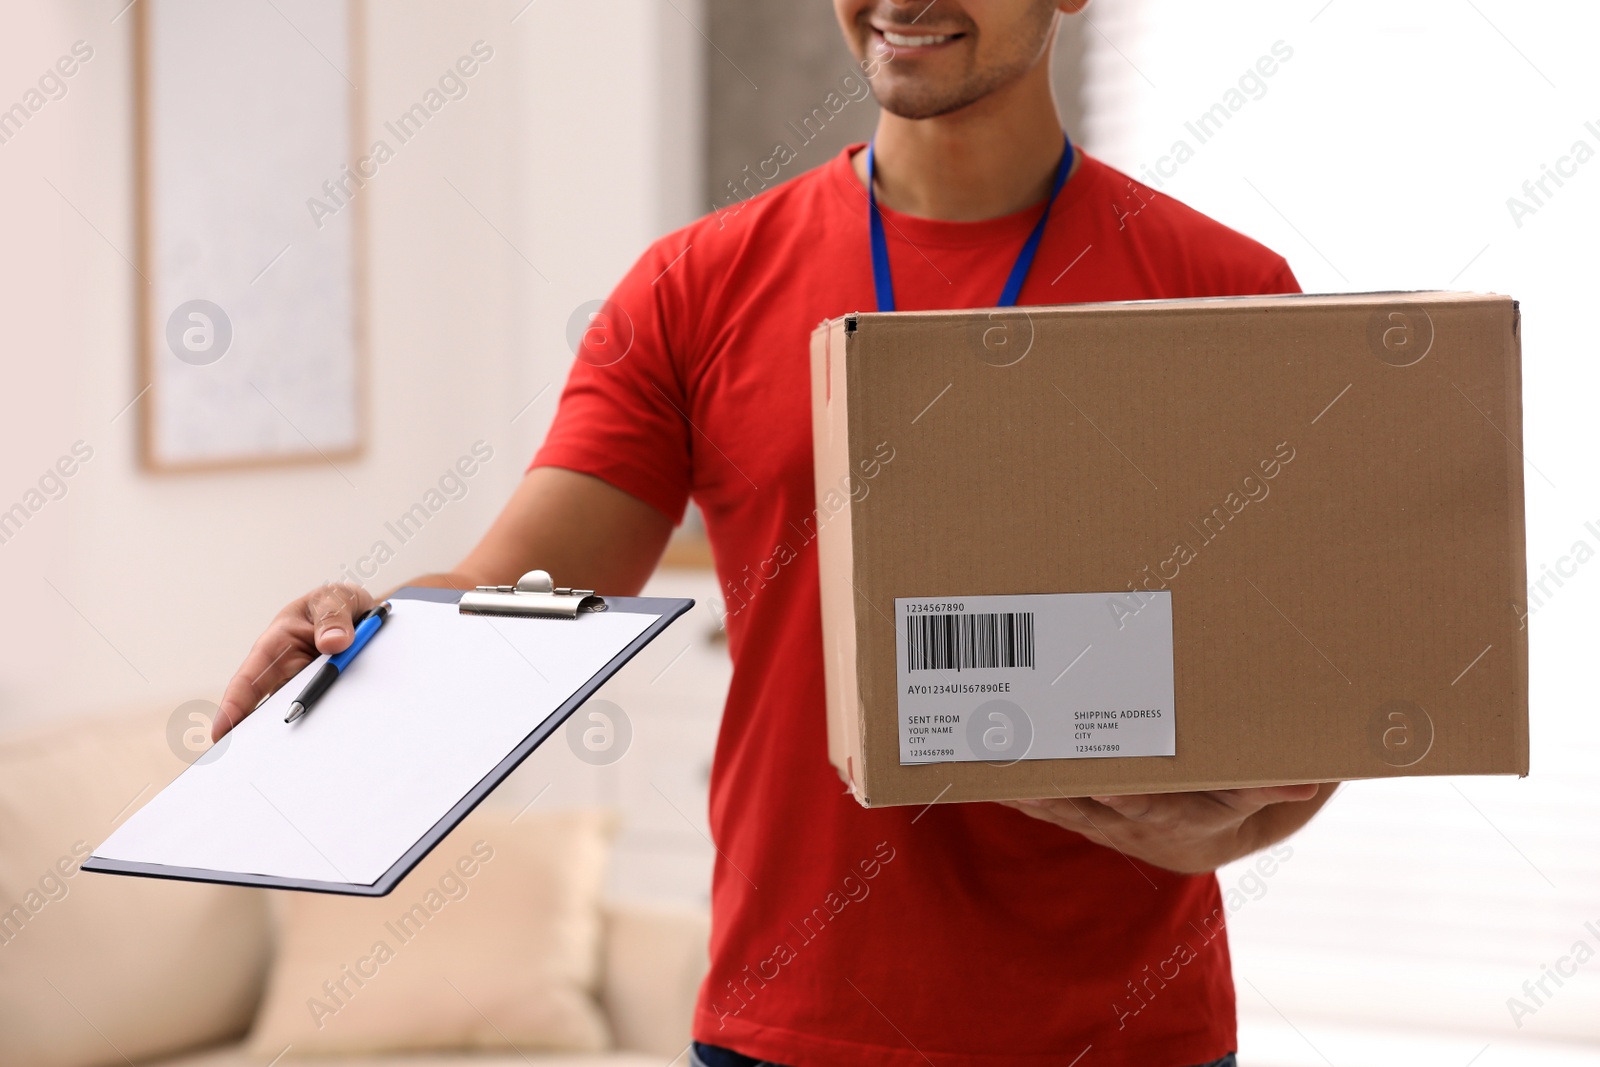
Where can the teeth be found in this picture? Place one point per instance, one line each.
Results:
(900, 40)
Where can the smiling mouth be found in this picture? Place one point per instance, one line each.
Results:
(915, 40)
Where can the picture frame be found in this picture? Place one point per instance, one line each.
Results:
(251, 234)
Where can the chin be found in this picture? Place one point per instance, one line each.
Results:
(918, 102)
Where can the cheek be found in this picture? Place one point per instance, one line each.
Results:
(1011, 32)
(851, 16)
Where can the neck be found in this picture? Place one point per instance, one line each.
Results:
(992, 158)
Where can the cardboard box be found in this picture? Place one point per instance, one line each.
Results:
(1291, 528)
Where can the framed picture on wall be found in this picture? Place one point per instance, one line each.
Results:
(250, 218)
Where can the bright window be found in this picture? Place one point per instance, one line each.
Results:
(1378, 145)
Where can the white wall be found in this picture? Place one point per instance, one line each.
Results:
(577, 143)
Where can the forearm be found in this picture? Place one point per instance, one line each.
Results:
(442, 580)
(584, 532)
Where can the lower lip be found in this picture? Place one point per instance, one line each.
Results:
(913, 49)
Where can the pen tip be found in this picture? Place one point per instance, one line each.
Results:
(295, 711)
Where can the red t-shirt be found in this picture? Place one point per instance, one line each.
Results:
(966, 933)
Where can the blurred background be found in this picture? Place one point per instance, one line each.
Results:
(1399, 144)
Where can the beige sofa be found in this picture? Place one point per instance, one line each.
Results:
(99, 969)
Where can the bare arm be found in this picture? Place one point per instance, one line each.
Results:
(582, 530)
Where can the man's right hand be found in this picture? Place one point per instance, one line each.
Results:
(321, 621)
(613, 549)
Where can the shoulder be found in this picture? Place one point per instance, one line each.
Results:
(1193, 253)
(762, 209)
(685, 282)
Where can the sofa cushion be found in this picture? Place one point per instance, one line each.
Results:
(493, 941)
(98, 968)
(656, 957)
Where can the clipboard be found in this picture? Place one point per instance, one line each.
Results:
(166, 824)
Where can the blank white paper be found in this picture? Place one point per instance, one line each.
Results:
(433, 703)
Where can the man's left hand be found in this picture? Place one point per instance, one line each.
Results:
(1185, 832)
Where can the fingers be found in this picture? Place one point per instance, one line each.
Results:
(1080, 813)
(1095, 815)
(320, 621)
(1034, 809)
(1229, 804)
(331, 612)
(1285, 794)
(1195, 810)
(1184, 832)
(1249, 801)
(276, 657)
(1138, 806)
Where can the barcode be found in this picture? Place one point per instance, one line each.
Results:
(956, 642)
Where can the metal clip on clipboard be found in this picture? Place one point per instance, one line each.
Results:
(534, 595)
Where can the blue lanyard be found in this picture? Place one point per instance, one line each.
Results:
(883, 281)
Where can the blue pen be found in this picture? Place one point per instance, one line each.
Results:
(336, 664)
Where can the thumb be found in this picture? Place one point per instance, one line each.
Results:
(332, 611)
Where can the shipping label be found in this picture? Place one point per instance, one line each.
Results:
(1038, 676)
